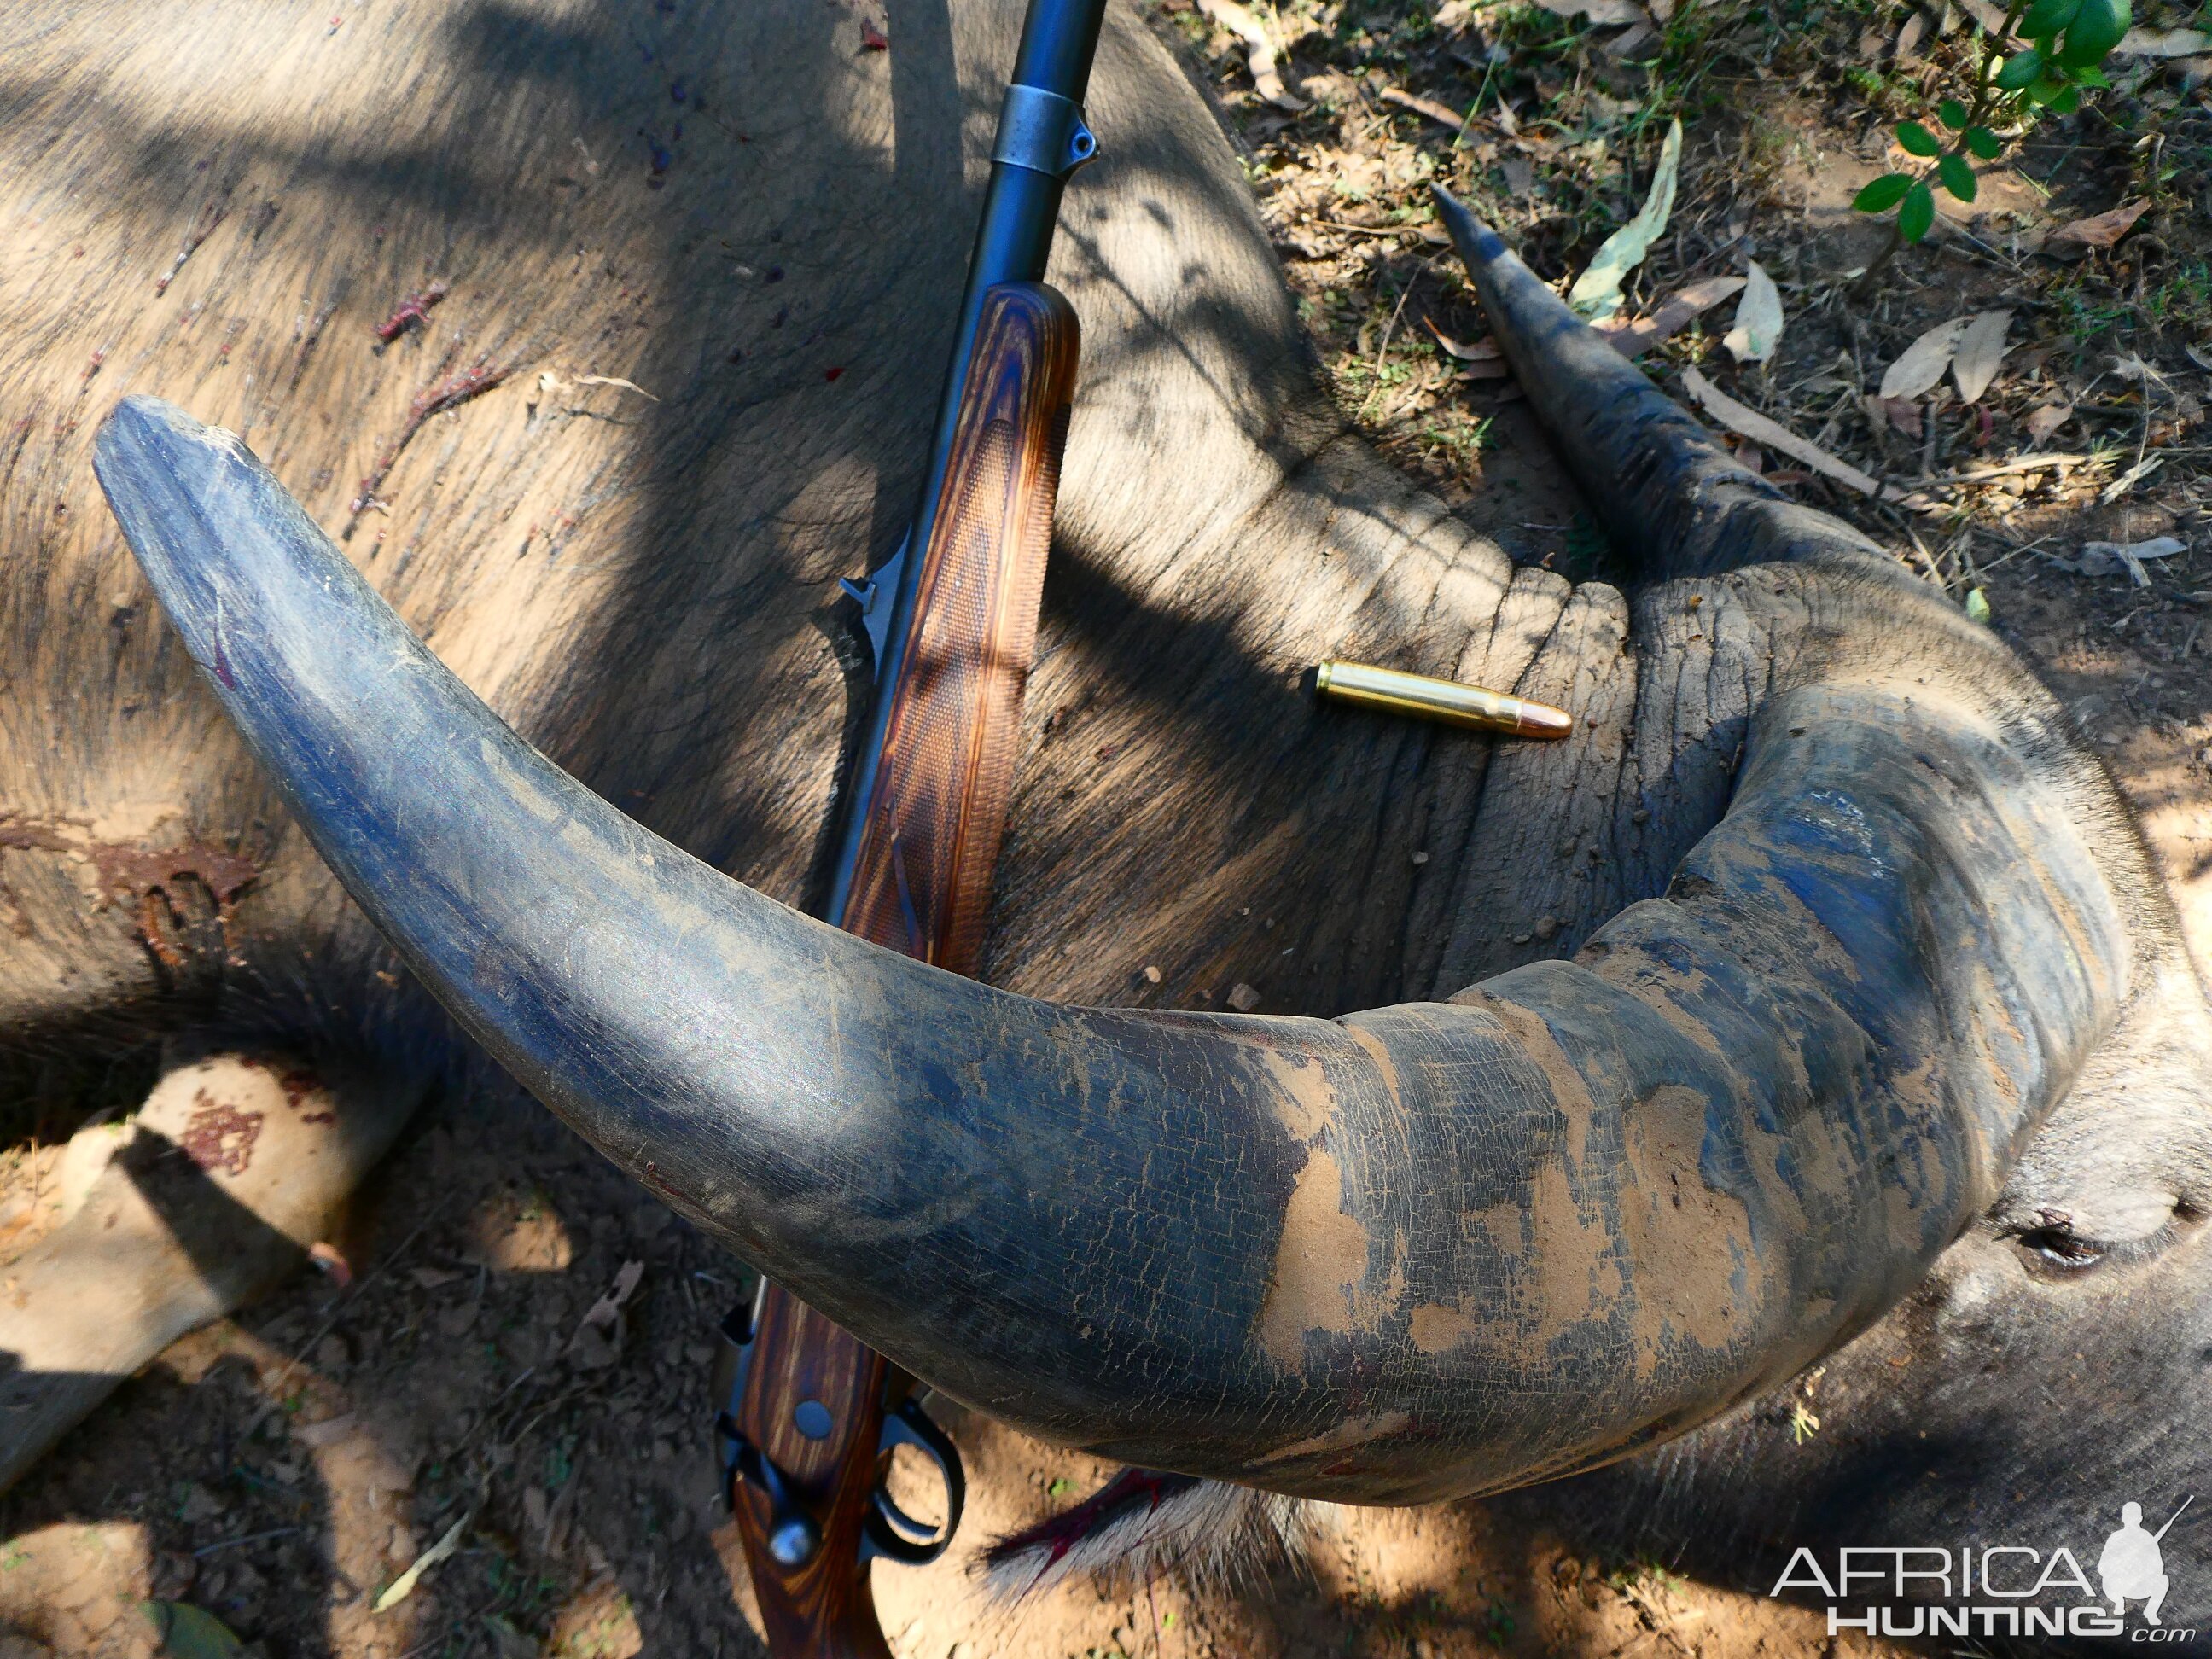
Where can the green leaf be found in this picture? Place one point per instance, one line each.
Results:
(2066, 102)
(2091, 77)
(2046, 17)
(1984, 143)
(1958, 178)
(1883, 193)
(1952, 113)
(2095, 30)
(1917, 139)
(187, 1632)
(2049, 90)
(2020, 69)
(1916, 216)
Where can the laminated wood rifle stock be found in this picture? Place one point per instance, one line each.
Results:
(937, 811)
(812, 1405)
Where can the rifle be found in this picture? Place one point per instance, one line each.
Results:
(808, 1415)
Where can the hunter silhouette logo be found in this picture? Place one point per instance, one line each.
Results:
(2010, 1588)
(2132, 1568)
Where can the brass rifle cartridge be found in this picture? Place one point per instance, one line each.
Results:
(1392, 692)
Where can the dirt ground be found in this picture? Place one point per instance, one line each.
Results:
(280, 1471)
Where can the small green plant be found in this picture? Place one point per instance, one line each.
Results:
(1499, 1625)
(1644, 1570)
(2067, 43)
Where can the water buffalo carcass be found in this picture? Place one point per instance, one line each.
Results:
(1817, 992)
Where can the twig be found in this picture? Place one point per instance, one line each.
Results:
(1391, 327)
(1372, 230)
(276, 1388)
(250, 1537)
(1260, 54)
(2027, 464)
(449, 392)
(1441, 114)
(210, 214)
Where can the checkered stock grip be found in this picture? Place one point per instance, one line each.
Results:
(921, 879)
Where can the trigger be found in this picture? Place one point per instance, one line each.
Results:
(876, 593)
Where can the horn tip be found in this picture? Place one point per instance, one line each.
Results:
(191, 501)
(1477, 244)
(144, 429)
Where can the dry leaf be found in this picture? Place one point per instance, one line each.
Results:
(1675, 312)
(1981, 349)
(1909, 37)
(2110, 558)
(2101, 229)
(1758, 328)
(1750, 424)
(616, 380)
(1483, 351)
(403, 1586)
(601, 1316)
(2198, 354)
(1259, 51)
(1602, 14)
(1991, 18)
(536, 1515)
(558, 1517)
(1625, 45)
(1900, 414)
(1923, 362)
(2157, 547)
(1441, 114)
(327, 1432)
(591, 1350)
(2163, 42)
(2129, 479)
(1597, 292)
(2044, 422)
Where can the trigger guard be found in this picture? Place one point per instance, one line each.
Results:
(890, 1531)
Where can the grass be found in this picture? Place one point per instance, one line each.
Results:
(1642, 1573)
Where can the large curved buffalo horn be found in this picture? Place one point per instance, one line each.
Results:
(1662, 487)
(1414, 1252)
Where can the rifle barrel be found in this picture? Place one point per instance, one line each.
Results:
(2159, 1536)
(1014, 240)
